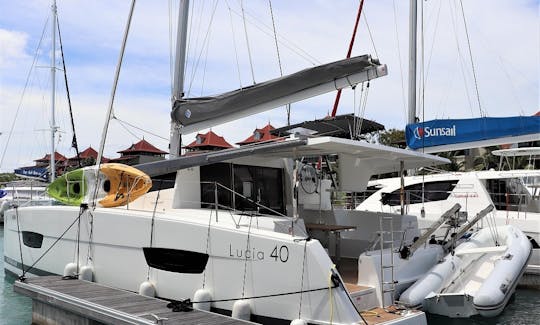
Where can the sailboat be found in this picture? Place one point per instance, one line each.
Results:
(193, 241)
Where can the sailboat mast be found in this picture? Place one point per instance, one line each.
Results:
(412, 61)
(178, 79)
(53, 90)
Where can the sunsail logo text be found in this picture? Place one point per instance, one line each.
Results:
(420, 132)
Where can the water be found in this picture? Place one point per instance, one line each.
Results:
(14, 308)
(523, 309)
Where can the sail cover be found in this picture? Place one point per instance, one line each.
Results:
(447, 134)
(203, 112)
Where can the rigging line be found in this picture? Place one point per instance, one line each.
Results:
(370, 35)
(247, 41)
(90, 250)
(32, 66)
(288, 106)
(460, 56)
(138, 128)
(152, 224)
(19, 234)
(131, 133)
(194, 47)
(208, 243)
(235, 47)
(333, 286)
(349, 51)
(404, 101)
(363, 108)
(83, 208)
(205, 43)
(206, 59)
(245, 257)
(74, 139)
(292, 47)
(302, 278)
(433, 41)
(482, 113)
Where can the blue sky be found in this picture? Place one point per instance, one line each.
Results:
(504, 38)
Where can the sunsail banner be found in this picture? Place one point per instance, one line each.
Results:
(33, 172)
(447, 132)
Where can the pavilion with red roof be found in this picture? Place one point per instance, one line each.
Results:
(207, 142)
(138, 153)
(260, 135)
(88, 157)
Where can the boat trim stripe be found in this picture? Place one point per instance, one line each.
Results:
(35, 270)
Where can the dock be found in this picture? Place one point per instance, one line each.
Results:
(71, 301)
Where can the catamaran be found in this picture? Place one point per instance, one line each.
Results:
(230, 234)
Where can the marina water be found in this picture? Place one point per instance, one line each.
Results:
(523, 309)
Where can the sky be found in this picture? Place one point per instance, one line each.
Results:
(500, 43)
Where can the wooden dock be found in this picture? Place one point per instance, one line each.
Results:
(59, 301)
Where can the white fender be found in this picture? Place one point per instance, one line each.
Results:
(298, 321)
(70, 269)
(86, 273)
(202, 295)
(241, 310)
(148, 289)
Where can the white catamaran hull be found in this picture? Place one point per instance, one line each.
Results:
(479, 278)
(248, 260)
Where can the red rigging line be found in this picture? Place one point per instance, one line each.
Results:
(338, 95)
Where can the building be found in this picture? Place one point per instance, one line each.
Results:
(207, 142)
(260, 135)
(139, 153)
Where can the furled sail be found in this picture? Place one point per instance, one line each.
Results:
(203, 112)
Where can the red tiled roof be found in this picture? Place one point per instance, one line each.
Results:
(123, 158)
(142, 146)
(57, 157)
(264, 135)
(209, 139)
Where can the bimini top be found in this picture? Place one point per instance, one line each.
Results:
(341, 126)
(198, 113)
(358, 160)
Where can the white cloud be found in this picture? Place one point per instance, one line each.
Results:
(12, 46)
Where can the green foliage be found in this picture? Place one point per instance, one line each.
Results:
(7, 177)
(392, 137)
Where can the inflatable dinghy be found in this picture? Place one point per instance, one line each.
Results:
(479, 278)
(109, 185)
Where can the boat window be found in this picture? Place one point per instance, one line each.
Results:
(433, 191)
(508, 194)
(175, 260)
(258, 184)
(32, 239)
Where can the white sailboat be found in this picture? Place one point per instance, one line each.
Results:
(182, 243)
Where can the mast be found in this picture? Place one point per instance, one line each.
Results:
(53, 90)
(178, 79)
(412, 61)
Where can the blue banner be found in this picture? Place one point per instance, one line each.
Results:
(443, 132)
(34, 172)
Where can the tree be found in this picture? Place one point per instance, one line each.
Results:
(392, 138)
